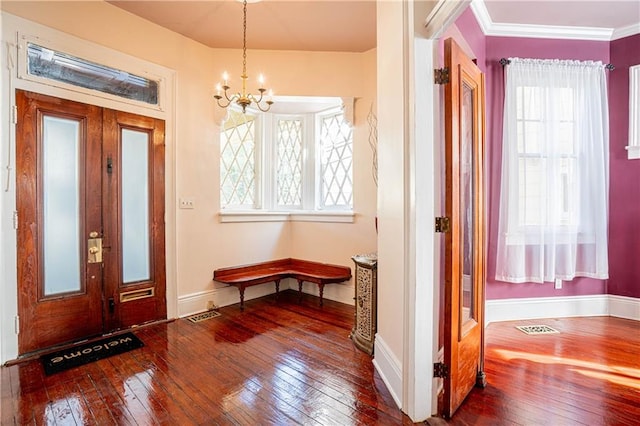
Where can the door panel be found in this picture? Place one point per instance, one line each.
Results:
(134, 147)
(90, 202)
(464, 243)
(60, 294)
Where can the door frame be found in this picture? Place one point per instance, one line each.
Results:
(13, 28)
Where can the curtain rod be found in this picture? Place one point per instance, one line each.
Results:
(504, 61)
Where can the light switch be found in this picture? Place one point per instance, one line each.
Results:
(187, 203)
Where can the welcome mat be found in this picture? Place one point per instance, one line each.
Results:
(65, 359)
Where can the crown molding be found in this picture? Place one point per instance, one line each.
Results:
(490, 28)
(627, 31)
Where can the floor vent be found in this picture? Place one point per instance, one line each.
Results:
(204, 316)
(537, 329)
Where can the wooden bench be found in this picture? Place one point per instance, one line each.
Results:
(275, 270)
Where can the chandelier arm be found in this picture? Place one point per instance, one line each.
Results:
(242, 98)
(220, 104)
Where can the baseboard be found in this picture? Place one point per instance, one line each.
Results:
(389, 368)
(339, 292)
(197, 302)
(546, 307)
(624, 307)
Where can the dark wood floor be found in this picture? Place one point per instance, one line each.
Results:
(278, 363)
(589, 374)
(285, 364)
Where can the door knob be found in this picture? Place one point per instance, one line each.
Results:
(95, 250)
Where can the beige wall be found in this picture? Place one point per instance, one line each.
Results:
(203, 243)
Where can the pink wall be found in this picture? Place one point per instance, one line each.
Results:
(489, 50)
(624, 189)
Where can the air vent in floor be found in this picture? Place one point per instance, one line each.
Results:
(537, 329)
(204, 316)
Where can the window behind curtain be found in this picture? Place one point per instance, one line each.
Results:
(555, 176)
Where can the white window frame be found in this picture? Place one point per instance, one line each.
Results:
(633, 149)
(318, 167)
(266, 208)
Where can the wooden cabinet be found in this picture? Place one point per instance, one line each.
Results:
(366, 289)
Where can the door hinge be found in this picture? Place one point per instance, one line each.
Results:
(17, 324)
(14, 114)
(440, 370)
(15, 220)
(443, 224)
(441, 75)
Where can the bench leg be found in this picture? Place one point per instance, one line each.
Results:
(277, 288)
(300, 290)
(321, 292)
(241, 288)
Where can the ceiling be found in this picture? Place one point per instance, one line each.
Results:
(349, 26)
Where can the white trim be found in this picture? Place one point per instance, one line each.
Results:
(224, 296)
(272, 216)
(389, 368)
(490, 28)
(558, 307)
(441, 16)
(633, 152)
(627, 31)
(633, 149)
(194, 303)
(624, 307)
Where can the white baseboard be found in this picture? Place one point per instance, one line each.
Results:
(339, 292)
(559, 307)
(389, 368)
(194, 303)
(624, 307)
(546, 307)
(197, 302)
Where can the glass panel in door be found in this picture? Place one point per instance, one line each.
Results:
(61, 205)
(135, 206)
(466, 206)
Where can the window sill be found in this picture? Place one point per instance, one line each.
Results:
(279, 216)
(633, 152)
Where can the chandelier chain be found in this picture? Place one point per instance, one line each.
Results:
(242, 98)
(244, 38)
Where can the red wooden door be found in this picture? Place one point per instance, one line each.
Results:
(75, 234)
(464, 242)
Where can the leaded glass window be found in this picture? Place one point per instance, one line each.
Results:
(289, 169)
(237, 160)
(336, 146)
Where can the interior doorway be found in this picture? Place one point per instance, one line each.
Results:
(90, 206)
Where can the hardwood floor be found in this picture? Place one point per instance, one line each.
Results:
(589, 374)
(278, 363)
(284, 363)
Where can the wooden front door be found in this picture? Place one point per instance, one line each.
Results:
(90, 210)
(464, 241)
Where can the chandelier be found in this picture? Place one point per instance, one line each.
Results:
(243, 98)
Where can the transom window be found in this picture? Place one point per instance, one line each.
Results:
(284, 162)
(68, 69)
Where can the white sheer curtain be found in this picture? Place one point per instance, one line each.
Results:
(555, 172)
